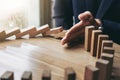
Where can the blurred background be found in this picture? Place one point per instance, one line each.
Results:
(25, 13)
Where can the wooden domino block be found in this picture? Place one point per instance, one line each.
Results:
(2, 35)
(54, 31)
(103, 66)
(46, 75)
(27, 75)
(99, 45)
(88, 35)
(60, 35)
(12, 32)
(106, 43)
(108, 57)
(70, 74)
(91, 73)
(94, 41)
(8, 75)
(29, 30)
(40, 30)
(109, 50)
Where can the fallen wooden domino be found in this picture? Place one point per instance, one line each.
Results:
(29, 30)
(88, 35)
(40, 30)
(53, 31)
(46, 75)
(99, 44)
(103, 66)
(12, 32)
(27, 75)
(91, 73)
(70, 74)
(94, 41)
(60, 35)
(8, 75)
(109, 50)
(2, 35)
(108, 57)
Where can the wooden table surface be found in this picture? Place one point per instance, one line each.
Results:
(37, 54)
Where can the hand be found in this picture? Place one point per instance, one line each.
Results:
(78, 29)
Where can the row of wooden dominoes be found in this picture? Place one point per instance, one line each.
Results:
(32, 32)
(100, 47)
(97, 43)
(46, 75)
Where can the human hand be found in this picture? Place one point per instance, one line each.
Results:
(86, 19)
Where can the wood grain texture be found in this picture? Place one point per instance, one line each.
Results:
(38, 54)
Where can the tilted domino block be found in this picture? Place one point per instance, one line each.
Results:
(91, 73)
(12, 32)
(8, 75)
(108, 57)
(103, 66)
(40, 30)
(70, 74)
(88, 35)
(46, 75)
(54, 31)
(2, 35)
(109, 50)
(27, 75)
(29, 30)
(94, 41)
(60, 35)
(99, 45)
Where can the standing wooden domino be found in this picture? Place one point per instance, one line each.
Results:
(40, 30)
(29, 30)
(8, 75)
(109, 50)
(94, 41)
(27, 75)
(108, 57)
(70, 74)
(103, 66)
(99, 45)
(91, 73)
(2, 35)
(46, 75)
(12, 32)
(106, 43)
(88, 35)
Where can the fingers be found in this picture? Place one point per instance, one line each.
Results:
(75, 28)
(68, 37)
(86, 16)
